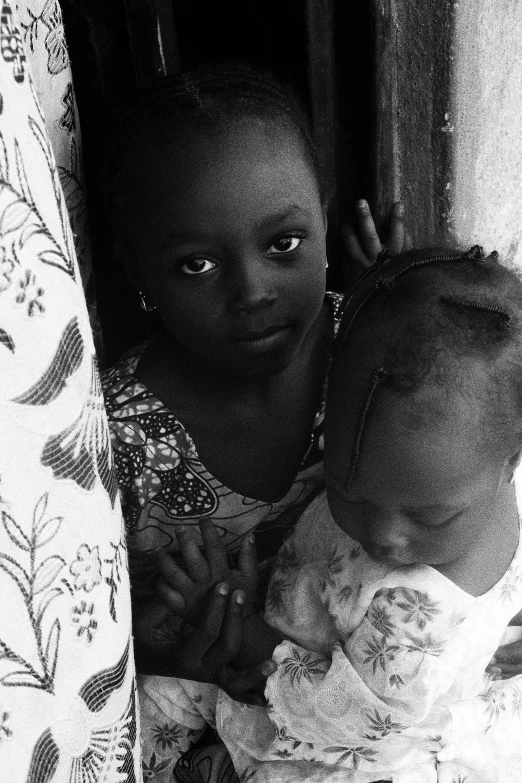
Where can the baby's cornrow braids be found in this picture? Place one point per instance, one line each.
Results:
(385, 282)
(381, 278)
(502, 322)
(376, 377)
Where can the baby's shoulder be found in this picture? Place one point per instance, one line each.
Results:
(317, 538)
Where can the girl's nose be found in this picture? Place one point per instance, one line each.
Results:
(253, 287)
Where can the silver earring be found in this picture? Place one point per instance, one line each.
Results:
(144, 304)
(327, 263)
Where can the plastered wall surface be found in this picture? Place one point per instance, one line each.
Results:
(448, 138)
(486, 123)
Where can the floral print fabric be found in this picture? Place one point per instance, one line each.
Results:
(43, 35)
(163, 484)
(67, 691)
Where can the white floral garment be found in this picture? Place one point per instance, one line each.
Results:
(384, 678)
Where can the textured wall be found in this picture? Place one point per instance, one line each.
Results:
(449, 119)
(487, 115)
(413, 80)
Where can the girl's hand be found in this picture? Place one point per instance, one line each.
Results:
(259, 641)
(363, 245)
(206, 653)
(186, 592)
(507, 661)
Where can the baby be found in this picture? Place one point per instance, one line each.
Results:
(397, 584)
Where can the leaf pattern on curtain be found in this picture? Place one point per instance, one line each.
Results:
(67, 690)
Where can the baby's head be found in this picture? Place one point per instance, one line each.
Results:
(424, 413)
(219, 211)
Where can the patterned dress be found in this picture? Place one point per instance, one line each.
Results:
(163, 484)
(381, 675)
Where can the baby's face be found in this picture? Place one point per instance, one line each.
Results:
(228, 236)
(419, 495)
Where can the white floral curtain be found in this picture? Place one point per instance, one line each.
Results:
(67, 695)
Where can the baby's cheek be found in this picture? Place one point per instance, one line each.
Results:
(442, 548)
(354, 527)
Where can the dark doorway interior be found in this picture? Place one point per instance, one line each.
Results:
(324, 47)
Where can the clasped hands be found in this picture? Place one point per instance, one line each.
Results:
(230, 644)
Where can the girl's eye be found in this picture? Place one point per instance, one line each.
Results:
(285, 245)
(197, 266)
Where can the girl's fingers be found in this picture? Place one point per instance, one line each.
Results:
(506, 670)
(509, 653)
(214, 550)
(173, 574)
(242, 685)
(395, 241)
(248, 559)
(172, 599)
(197, 566)
(370, 241)
(227, 645)
(408, 242)
(209, 627)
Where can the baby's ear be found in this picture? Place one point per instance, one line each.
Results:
(512, 463)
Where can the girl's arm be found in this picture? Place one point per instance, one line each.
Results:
(507, 661)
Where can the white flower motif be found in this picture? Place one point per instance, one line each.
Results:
(30, 293)
(495, 703)
(82, 615)
(86, 569)
(510, 585)
(5, 731)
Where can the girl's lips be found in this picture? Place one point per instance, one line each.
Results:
(268, 339)
(262, 334)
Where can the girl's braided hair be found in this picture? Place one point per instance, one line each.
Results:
(418, 327)
(211, 98)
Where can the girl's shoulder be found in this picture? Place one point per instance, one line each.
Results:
(130, 404)
(139, 422)
(125, 367)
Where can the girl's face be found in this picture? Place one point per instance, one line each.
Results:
(423, 495)
(227, 236)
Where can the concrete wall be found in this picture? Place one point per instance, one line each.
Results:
(449, 119)
(487, 115)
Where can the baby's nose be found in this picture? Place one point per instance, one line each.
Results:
(388, 531)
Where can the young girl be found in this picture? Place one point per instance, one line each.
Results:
(219, 210)
(392, 594)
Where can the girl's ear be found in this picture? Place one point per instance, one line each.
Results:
(130, 265)
(325, 217)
